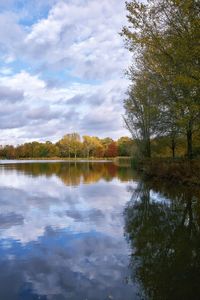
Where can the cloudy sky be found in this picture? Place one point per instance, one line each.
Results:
(62, 69)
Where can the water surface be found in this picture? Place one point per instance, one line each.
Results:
(162, 226)
(62, 231)
(95, 231)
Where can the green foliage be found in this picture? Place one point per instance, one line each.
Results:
(163, 99)
(125, 146)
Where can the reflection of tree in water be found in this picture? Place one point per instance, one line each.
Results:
(165, 241)
(73, 173)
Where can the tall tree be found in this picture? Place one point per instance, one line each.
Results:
(164, 36)
(141, 111)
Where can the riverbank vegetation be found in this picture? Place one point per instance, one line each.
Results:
(71, 146)
(179, 171)
(162, 108)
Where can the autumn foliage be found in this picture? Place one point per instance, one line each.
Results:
(70, 145)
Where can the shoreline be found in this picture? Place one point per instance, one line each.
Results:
(35, 160)
(123, 158)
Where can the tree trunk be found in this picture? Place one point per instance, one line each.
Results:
(189, 143)
(173, 147)
(148, 148)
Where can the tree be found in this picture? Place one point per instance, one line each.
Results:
(141, 111)
(87, 145)
(92, 146)
(64, 146)
(75, 143)
(70, 144)
(125, 146)
(164, 35)
(112, 150)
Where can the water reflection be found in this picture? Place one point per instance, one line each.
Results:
(72, 173)
(162, 224)
(59, 242)
(62, 234)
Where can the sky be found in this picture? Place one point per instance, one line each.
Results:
(62, 66)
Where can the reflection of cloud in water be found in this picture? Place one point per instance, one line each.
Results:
(46, 201)
(91, 215)
(10, 220)
(87, 266)
(158, 197)
(96, 206)
(60, 242)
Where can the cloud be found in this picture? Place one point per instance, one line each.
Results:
(82, 36)
(39, 111)
(11, 34)
(62, 69)
(10, 95)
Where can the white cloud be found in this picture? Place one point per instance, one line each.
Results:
(35, 110)
(11, 34)
(77, 37)
(83, 37)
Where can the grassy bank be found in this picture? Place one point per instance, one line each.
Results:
(175, 171)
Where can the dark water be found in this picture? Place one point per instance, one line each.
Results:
(95, 231)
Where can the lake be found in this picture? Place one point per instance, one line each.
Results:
(95, 231)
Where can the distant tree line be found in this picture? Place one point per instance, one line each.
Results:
(163, 99)
(71, 146)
